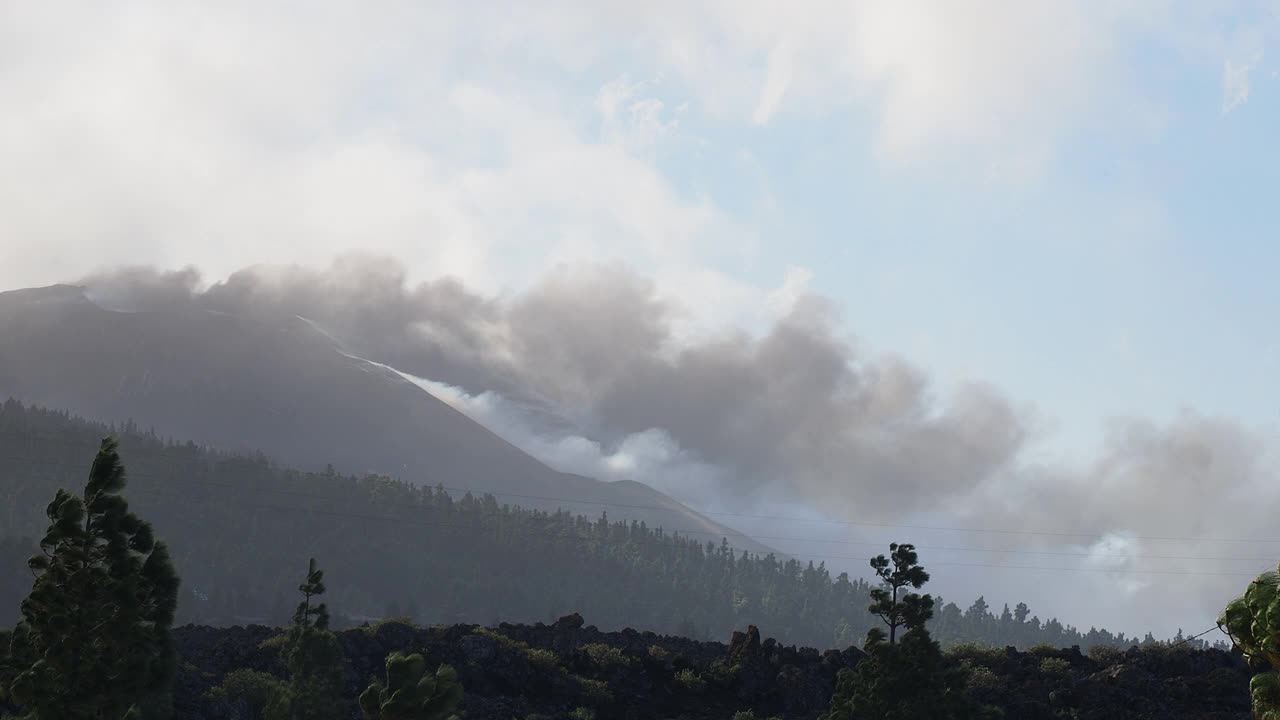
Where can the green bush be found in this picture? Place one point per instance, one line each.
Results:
(721, 674)
(1105, 655)
(543, 659)
(1055, 667)
(582, 713)
(690, 681)
(374, 626)
(605, 655)
(976, 654)
(595, 692)
(659, 653)
(503, 641)
(979, 677)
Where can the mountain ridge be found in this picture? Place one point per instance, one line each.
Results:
(285, 387)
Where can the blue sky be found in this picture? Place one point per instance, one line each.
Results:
(1072, 202)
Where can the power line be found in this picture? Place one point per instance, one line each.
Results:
(1184, 641)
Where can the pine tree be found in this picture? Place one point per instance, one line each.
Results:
(314, 658)
(93, 641)
(410, 693)
(908, 680)
(1252, 621)
(893, 602)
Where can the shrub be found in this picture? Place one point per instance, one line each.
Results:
(977, 654)
(503, 641)
(544, 660)
(980, 677)
(582, 713)
(1105, 655)
(690, 681)
(606, 655)
(595, 692)
(373, 626)
(275, 642)
(659, 653)
(721, 674)
(1055, 667)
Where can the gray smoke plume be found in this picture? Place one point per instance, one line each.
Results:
(797, 406)
(584, 371)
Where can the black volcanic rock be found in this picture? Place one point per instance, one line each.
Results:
(505, 677)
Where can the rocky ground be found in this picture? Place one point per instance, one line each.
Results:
(568, 670)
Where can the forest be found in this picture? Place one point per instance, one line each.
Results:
(236, 524)
(95, 640)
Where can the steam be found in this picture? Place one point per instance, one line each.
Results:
(795, 407)
(585, 371)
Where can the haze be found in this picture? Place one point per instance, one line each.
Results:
(994, 278)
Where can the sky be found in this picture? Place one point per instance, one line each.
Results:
(1066, 204)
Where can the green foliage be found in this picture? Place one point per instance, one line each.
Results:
(595, 692)
(503, 641)
(606, 656)
(721, 673)
(411, 693)
(314, 659)
(749, 715)
(979, 654)
(659, 653)
(1106, 656)
(1252, 621)
(93, 641)
(544, 660)
(1055, 667)
(246, 693)
(894, 603)
(690, 681)
(582, 713)
(910, 680)
(378, 624)
(979, 677)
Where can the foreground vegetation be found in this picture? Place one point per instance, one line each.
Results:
(94, 643)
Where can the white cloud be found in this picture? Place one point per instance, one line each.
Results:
(1236, 71)
(216, 137)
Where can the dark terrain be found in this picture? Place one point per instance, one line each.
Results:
(551, 671)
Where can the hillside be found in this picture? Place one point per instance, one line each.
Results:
(237, 524)
(280, 385)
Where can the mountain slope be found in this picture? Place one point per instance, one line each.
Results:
(281, 386)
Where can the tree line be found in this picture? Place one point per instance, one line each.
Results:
(93, 641)
(236, 523)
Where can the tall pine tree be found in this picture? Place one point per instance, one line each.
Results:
(93, 641)
(314, 658)
(893, 601)
(906, 680)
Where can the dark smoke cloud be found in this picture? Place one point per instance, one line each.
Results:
(797, 406)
